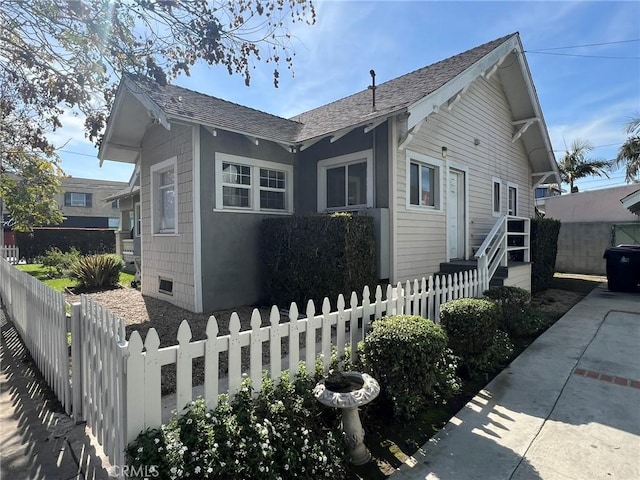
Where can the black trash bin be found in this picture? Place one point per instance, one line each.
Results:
(623, 267)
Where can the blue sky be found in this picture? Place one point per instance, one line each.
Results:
(588, 95)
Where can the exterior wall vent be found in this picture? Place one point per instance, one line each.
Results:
(165, 286)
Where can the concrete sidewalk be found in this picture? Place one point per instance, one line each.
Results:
(38, 440)
(567, 408)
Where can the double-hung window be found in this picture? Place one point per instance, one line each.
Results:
(164, 197)
(423, 182)
(345, 182)
(76, 199)
(246, 184)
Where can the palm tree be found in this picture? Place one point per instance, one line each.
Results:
(575, 164)
(629, 153)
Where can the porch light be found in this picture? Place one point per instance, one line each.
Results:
(444, 152)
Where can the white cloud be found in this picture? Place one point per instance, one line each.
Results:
(72, 132)
(603, 128)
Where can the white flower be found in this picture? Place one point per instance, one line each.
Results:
(209, 470)
(197, 469)
(156, 440)
(189, 421)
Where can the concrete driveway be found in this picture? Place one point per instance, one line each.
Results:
(567, 408)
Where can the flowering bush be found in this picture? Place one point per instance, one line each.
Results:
(282, 433)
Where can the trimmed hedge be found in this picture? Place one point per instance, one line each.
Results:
(470, 323)
(88, 242)
(317, 256)
(544, 248)
(408, 356)
(514, 303)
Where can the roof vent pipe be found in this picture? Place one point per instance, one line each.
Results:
(372, 87)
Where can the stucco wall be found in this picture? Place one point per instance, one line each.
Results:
(230, 240)
(483, 113)
(355, 141)
(581, 245)
(592, 206)
(169, 256)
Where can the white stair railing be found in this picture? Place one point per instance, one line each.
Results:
(494, 251)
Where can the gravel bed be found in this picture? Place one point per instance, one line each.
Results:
(140, 313)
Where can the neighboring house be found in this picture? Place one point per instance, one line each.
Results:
(542, 192)
(82, 203)
(129, 220)
(591, 222)
(632, 202)
(447, 152)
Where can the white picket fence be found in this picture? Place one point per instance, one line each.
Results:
(38, 313)
(115, 384)
(98, 396)
(11, 253)
(340, 328)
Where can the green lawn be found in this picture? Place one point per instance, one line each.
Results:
(59, 284)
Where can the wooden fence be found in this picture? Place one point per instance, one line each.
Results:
(115, 385)
(38, 313)
(11, 253)
(337, 329)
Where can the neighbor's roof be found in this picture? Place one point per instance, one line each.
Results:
(392, 96)
(632, 202)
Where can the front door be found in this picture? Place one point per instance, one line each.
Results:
(456, 231)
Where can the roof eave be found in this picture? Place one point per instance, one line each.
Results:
(632, 202)
(432, 102)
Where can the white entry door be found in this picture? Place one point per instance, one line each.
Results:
(456, 231)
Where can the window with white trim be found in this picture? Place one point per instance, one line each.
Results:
(346, 182)
(77, 199)
(496, 197)
(424, 179)
(247, 184)
(164, 197)
(512, 199)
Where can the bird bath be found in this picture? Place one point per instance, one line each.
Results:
(348, 391)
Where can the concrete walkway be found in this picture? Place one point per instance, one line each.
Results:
(38, 441)
(567, 408)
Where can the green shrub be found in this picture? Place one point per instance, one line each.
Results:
(316, 256)
(513, 303)
(408, 356)
(59, 263)
(470, 324)
(281, 433)
(495, 357)
(544, 248)
(98, 271)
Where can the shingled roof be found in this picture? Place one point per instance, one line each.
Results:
(208, 110)
(392, 96)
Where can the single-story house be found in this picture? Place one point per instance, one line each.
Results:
(437, 158)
